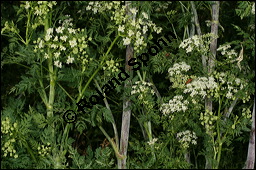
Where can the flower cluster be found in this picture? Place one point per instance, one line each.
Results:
(162, 6)
(153, 141)
(198, 43)
(7, 127)
(131, 29)
(9, 26)
(224, 49)
(176, 104)
(230, 85)
(102, 6)
(111, 66)
(135, 28)
(64, 41)
(8, 147)
(44, 150)
(143, 90)
(39, 8)
(246, 112)
(207, 120)
(201, 86)
(177, 76)
(178, 68)
(187, 137)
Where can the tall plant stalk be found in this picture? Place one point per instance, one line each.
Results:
(250, 161)
(198, 30)
(126, 102)
(212, 58)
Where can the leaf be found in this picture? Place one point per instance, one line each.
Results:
(21, 16)
(107, 115)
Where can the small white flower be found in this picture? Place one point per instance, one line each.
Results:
(73, 43)
(38, 12)
(64, 38)
(153, 141)
(54, 46)
(49, 31)
(189, 49)
(70, 60)
(196, 40)
(57, 54)
(55, 38)
(71, 30)
(121, 28)
(133, 10)
(238, 81)
(145, 15)
(59, 29)
(139, 41)
(130, 33)
(145, 29)
(49, 5)
(158, 30)
(58, 63)
(127, 41)
(27, 5)
(46, 56)
(133, 23)
(229, 95)
(62, 48)
(47, 37)
(41, 45)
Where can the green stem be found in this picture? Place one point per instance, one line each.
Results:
(218, 133)
(138, 72)
(171, 24)
(113, 144)
(43, 95)
(110, 47)
(52, 86)
(112, 117)
(89, 81)
(87, 84)
(66, 92)
(28, 21)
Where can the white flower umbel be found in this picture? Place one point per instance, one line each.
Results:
(178, 68)
(230, 85)
(177, 104)
(177, 75)
(144, 91)
(226, 51)
(186, 138)
(201, 86)
(142, 87)
(197, 43)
